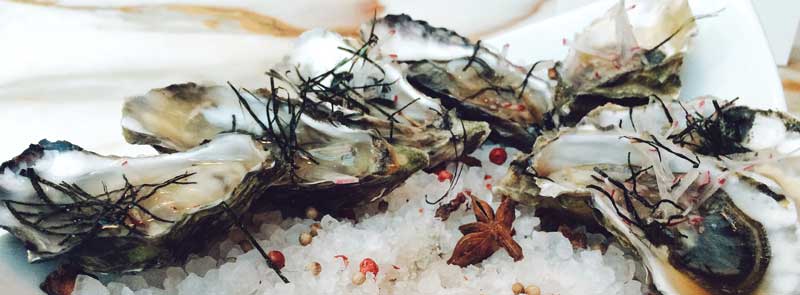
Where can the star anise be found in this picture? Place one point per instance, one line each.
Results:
(489, 233)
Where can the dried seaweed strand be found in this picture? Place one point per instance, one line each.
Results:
(392, 120)
(525, 81)
(447, 124)
(474, 54)
(664, 107)
(657, 145)
(238, 222)
(283, 134)
(705, 133)
(340, 92)
(654, 230)
(86, 215)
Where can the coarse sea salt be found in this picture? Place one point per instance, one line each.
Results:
(408, 243)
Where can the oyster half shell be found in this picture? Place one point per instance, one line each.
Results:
(475, 80)
(707, 125)
(325, 157)
(344, 75)
(636, 50)
(698, 225)
(113, 214)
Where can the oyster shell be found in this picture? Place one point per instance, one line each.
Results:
(325, 156)
(343, 75)
(324, 66)
(113, 214)
(765, 141)
(699, 226)
(707, 125)
(468, 77)
(181, 116)
(636, 50)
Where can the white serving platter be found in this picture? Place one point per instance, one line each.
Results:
(730, 58)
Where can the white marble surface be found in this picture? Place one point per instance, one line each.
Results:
(66, 71)
(780, 20)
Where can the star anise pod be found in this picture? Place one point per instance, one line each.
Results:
(489, 233)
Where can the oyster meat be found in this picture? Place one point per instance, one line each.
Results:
(707, 125)
(324, 158)
(341, 74)
(113, 214)
(764, 141)
(699, 226)
(476, 81)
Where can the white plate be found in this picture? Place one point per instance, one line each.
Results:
(729, 58)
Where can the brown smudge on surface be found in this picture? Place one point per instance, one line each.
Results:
(211, 23)
(54, 3)
(510, 23)
(248, 20)
(371, 8)
(37, 2)
(790, 79)
(129, 9)
(347, 31)
(791, 85)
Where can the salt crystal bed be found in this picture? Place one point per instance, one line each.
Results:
(408, 243)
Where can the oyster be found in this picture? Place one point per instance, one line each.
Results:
(477, 82)
(636, 50)
(113, 214)
(764, 141)
(341, 74)
(324, 66)
(707, 125)
(182, 116)
(699, 227)
(324, 156)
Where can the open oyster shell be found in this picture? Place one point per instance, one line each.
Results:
(476, 81)
(707, 125)
(699, 226)
(325, 155)
(764, 141)
(636, 50)
(112, 214)
(181, 116)
(343, 75)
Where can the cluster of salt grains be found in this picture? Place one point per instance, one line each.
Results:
(409, 244)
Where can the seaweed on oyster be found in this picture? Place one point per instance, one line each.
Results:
(476, 81)
(706, 125)
(762, 141)
(633, 52)
(699, 226)
(113, 214)
(335, 81)
(343, 75)
(325, 157)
